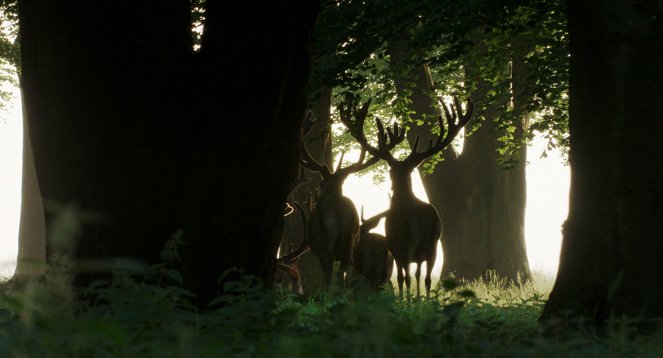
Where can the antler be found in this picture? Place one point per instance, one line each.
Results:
(360, 117)
(308, 162)
(302, 179)
(387, 140)
(311, 164)
(303, 247)
(455, 121)
(288, 209)
(358, 166)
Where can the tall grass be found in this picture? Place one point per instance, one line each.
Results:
(41, 318)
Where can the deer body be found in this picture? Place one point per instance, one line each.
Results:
(413, 228)
(334, 230)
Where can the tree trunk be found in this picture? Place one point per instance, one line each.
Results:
(31, 257)
(481, 204)
(249, 156)
(610, 263)
(103, 119)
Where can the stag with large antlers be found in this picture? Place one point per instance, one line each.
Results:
(372, 259)
(412, 226)
(287, 273)
(334, 223)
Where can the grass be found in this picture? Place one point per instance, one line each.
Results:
(42, 319)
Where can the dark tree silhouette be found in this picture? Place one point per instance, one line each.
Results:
(133, 128)
(611, 252)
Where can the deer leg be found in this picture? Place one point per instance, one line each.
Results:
(400, 278)
(417, 274)
(343, 271)
(408, 279)
(347, 261)
(430, 262)
(327, 267)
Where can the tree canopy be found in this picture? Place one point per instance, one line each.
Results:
(446, 36)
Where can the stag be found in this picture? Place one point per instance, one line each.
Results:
(334, 223)
(287, 273)
(372, 258)
(412, 226)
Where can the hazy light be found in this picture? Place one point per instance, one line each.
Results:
(11, 145)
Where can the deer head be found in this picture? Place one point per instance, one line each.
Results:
(412, 226)
(372, 258)
(287, 272)
(334, 223)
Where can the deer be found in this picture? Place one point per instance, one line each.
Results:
(334, 224)
(372, 258)
(412, 227)
(287, 273)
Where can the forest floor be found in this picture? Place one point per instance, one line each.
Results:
(129, 319)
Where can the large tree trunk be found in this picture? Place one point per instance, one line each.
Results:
(482, 205)
(101, 99)
(610, 263)
(123, 140)
(250, 121)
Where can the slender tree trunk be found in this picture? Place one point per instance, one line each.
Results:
(610, 263)
(31, 258)
(482, 205)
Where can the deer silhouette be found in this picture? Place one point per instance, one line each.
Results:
(334, 224)
(412, 226)
(372, 258)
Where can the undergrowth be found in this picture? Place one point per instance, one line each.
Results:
(42, 318)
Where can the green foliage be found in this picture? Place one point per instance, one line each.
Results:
(9, 49)
(465, 44)
(541, 30)
(123, 317)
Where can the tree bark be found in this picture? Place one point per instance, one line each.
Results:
(31, 257)
(610, 263)
(481, 204)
